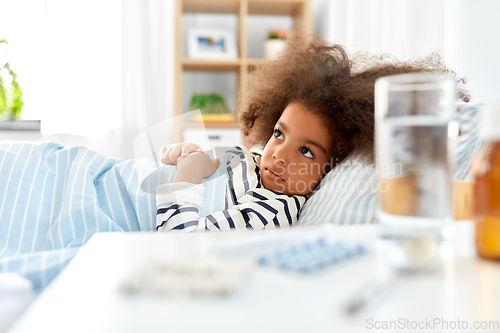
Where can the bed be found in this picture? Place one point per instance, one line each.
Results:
(54, 198)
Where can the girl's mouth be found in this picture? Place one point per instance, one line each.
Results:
(272, 174)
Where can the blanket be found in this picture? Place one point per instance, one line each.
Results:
(54, 198)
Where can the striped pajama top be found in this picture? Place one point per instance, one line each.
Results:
(248, 205)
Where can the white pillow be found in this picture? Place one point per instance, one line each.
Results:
(347, 194)
(469, 141)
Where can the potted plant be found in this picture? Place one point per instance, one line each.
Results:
(212, 106)
(11, 94)
(275, 43)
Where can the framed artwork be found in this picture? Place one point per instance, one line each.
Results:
(211, 44)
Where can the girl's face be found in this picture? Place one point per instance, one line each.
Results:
(295, 158)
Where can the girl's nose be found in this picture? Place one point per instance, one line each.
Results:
(279, 156)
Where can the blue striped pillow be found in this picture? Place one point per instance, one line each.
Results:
(347, 194)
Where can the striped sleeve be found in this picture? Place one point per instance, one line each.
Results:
(178, 206)
(258, 209)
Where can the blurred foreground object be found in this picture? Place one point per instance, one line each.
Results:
(487, 188)
(463, 198)
(197, 276)
(400, 200)
(413, 115)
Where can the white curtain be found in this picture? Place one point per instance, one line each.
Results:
(405, 28)
(83, 68)
(109, 70)
(22, 24)
(466, 33)
(148, 66)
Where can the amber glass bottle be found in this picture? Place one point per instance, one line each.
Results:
(487, 190)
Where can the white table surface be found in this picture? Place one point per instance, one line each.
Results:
(85, 296)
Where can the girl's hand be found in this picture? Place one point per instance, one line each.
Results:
(194, 167)
(179, 151)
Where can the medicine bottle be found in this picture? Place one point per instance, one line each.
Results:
(487, 187)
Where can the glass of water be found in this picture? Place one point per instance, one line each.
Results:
(414, 135)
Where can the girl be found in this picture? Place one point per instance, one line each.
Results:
(309, 109)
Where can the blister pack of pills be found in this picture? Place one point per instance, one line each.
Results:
(312, 255)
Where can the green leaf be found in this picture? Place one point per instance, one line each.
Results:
(209, 103)
(17, 102)
(3, 101)
(6, 43)
(198, 101)
(11, 102)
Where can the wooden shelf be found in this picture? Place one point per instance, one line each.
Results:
(210, 125)
(254, 62)
(275, 7)
(255, 7)
(211, 6)
(210, 65)
(220, 65)
(298, 10)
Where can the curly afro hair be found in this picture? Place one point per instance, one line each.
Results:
(328, 83)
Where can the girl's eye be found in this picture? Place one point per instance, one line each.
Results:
(306, 152)
(278, 134)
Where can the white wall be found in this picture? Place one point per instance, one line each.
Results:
(22, 24)
(479, 48)
(101, 71)
(465, 32)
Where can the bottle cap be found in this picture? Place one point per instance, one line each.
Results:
(491, 121)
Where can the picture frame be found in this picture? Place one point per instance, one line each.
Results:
(212, 44)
